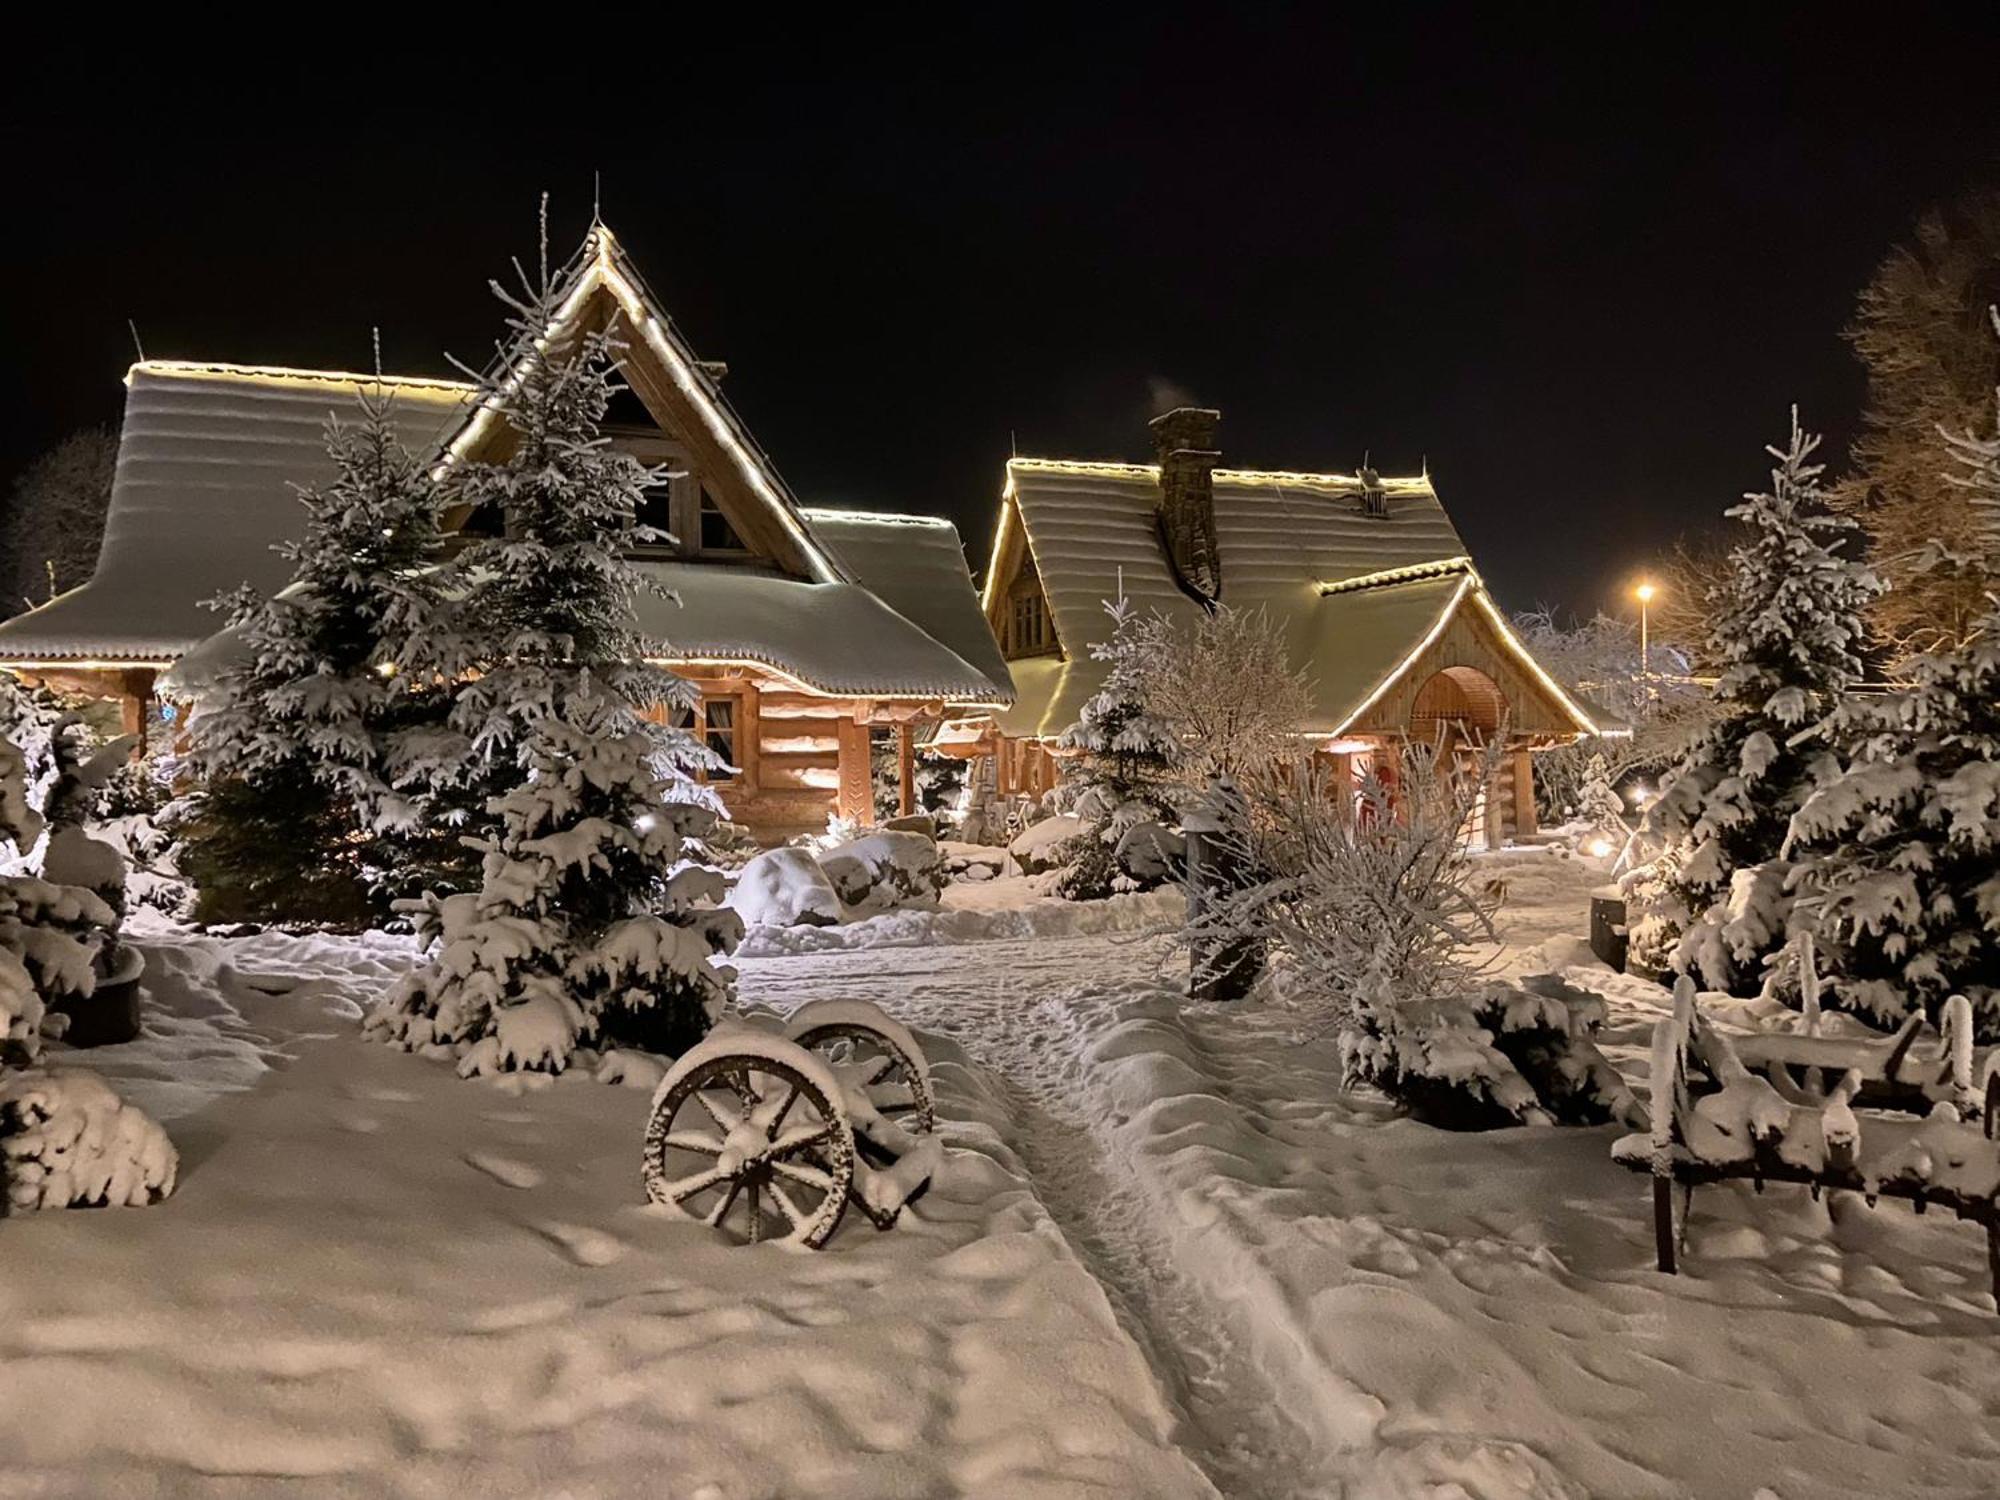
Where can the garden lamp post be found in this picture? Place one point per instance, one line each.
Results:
(1644, 593)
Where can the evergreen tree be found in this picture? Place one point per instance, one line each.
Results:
(1900, 853)
(1119, 778)
(319, 750)
(1787, 626)
(583, 929)
(1599, 806)
(1920, 331)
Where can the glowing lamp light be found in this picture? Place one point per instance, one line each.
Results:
(1645, 593)
(1598, 848)
(645, 822)
(385, 669)
(1638, 796)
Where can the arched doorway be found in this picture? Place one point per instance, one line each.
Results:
(1460, 711)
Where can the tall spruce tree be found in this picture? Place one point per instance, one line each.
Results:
(1787, 626)
(1125, 758)
(583, 929)
(307, 742)
(1900, 854)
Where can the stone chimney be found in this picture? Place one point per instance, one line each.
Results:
(1184, 440)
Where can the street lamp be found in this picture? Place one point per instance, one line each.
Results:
(1644, 593)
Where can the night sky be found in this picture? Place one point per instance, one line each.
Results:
(1581, 262)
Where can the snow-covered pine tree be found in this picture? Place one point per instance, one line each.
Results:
(583, 929)
(1787, 626)
(319, 752)
(1900, 854)
(1125, 757)
(1598, 805)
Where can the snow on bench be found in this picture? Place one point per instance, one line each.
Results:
(1766, 1127)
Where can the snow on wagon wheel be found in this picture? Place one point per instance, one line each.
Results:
(879, 1067)
(748, 1136)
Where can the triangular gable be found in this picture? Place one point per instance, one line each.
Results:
(602, 286)
(1393, 630)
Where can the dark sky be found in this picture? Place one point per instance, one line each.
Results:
(1580, 261)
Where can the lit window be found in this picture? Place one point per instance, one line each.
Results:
(717, 535)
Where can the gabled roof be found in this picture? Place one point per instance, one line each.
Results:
(209, 460)
(1358, 595)
(211, 455)
(661, 365)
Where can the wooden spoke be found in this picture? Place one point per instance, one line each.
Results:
(785, 1205)
(798, 1140)
(687, 1187)
(807, 1176)
(716, 1112)
(721, 1210)
(693, 1140)
(771, 1130)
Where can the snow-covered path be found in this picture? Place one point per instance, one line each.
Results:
(1026, 1013)
(1342, 1302)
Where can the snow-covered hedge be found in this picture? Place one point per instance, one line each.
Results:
(66, 1140)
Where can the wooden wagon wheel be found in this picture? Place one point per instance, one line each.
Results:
(748, 1143)
(873, 1065)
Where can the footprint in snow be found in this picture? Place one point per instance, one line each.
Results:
(515, 1174)
(585, 1246)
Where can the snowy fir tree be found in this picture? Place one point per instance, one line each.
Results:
(1599, 807)
(65, 1136)
(318, 748)
(583, 929)
(1900, 854)
(1787, 626)
(1125, 758)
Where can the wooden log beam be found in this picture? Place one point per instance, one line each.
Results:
(855, 799)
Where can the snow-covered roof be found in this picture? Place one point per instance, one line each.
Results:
(916, 565)
(838, 638)
(208, 460)
(1358, 594)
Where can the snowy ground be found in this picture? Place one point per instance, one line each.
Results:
(1170, 1258)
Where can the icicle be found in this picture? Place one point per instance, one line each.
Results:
(1808, 986)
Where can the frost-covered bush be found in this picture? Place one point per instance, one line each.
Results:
(885, 869)
(785, 888)
(1503, 1054)
(1371, 909)
(1599, 807)
(1787, 625)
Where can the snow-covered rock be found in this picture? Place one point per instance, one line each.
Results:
(785, 888)
(1043, 846)
(885, 869)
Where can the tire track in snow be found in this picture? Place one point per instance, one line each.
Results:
(1016, 1015)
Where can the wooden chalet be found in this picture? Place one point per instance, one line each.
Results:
(1367, 576)
(808, 631)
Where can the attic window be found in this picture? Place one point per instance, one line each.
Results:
(717, 535)
(656, 510)
(1028, 632)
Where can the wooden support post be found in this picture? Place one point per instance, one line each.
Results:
(135, 707)
(855, 800)
(906, 771)
(1525, 823)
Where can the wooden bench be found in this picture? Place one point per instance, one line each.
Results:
(1713, 1119)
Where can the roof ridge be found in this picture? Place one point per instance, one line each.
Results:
(290, 374)
(840, 513)
(1240, 476)
(1442, 567)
